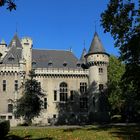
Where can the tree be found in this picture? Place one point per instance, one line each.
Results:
(122, 20)
(30, 104)
(115, 94)
(10, 4)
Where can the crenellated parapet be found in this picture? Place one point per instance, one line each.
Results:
(97, 60)
(11, 69)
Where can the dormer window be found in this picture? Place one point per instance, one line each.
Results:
(78, 64)
(65, 64)
(33, 64)
(26, 44)
(11, 58)
(50, 63)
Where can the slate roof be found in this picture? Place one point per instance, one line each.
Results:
(17, 40)
(82, 58)
(13, 56)
(15, 52)
(96, 45)
(54, 58)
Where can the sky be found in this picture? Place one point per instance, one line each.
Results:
(57, 24)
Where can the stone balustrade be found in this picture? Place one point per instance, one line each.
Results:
(59, 71)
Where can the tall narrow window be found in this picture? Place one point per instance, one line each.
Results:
(45, 103)
(100, 70)
(16, 85)
(55, 95)
(101, 87)
(63, 92)
(83, 103)
(71, 95)
(83, 87)
(10, 108)
(4, 85)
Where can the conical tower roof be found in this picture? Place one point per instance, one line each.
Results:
(17, 41)
(2, 41)
(96, 45)
(82, 58)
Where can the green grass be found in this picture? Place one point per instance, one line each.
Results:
(76, 133)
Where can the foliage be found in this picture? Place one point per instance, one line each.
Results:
(122, 20)
(4, 128)
(10, 4)
(30, 104)
(115, 94)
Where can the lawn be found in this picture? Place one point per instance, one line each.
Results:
(75, 133)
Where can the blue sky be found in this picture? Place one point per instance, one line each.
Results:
(57, 24)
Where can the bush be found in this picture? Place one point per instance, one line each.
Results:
(99, 117)
(4, 128)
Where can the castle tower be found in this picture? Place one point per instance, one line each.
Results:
(97, 61)
(27, 52)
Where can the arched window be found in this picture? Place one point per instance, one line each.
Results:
(63, 92)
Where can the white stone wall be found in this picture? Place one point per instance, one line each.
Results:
(27, 52)
(94, 75)
(3, 50)
(51, 83)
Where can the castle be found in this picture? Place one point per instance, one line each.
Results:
(63, 78)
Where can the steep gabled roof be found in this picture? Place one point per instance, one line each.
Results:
(13, 56)
(15, 52)
(17, 41)
(57, 58)
(96, 45)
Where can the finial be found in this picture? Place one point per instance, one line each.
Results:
(70, 49)
(16, 27)
(84, 44)
(95, 23)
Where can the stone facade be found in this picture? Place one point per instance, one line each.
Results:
(63, 78)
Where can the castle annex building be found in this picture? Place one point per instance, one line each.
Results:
(63, 77)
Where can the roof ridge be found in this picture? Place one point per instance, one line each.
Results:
(50, 50)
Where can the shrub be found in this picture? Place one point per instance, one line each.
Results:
(4, 128)
(99, 117)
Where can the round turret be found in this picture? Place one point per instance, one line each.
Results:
(97, 60)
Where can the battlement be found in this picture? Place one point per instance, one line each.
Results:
(9, 68)
(26, 38)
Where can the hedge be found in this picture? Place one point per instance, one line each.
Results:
(4, 128)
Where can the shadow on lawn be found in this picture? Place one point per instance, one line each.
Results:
(127, 132)
(123, 132)
(28, 137)
(71, 129)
